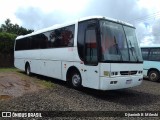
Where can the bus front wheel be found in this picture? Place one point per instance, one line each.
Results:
(76, 80)
(154, 75)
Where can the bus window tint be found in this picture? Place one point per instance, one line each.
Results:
(80, 39)
(82, 26)
(18, 45)
(145, 52)
(67, 36)
(91, 46)
(63, 37)
(34, 42)
(154, 54)
(22, 44)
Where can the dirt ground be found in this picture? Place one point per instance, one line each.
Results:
(14, 85)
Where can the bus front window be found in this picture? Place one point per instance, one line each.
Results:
(134, 50)
(113, 42)
(116, 45)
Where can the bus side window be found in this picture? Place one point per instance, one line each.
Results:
(67, 36)
(90, 46)
(145, 53)
(63, 37)
(154, 54)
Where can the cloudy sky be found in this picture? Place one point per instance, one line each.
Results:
(37, 14)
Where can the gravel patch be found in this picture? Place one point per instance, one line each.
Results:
(145, 97)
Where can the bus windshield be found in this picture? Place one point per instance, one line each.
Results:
(119, 43)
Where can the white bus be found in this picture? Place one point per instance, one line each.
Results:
(151, 65)
(94, 52)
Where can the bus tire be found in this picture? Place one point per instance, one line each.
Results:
(154, 75)
(28, 69)
(76, 80)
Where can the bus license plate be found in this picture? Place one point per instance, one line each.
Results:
(128, 81)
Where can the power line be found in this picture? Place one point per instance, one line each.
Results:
(144, 18)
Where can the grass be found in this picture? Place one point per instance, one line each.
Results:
(8, 69)
(35, 78)
(47, 84)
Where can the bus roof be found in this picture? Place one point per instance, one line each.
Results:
(150, 46)
(56, 26)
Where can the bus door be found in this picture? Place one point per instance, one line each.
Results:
(91, 67)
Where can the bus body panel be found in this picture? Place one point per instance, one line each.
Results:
(105, 68)
(91, 76)
(43, 60)
(120, 74)
(151, 56)
(124, 67)
(19, 63)
(105, 83)
(150, 65)
(53, 68)
(65, 66)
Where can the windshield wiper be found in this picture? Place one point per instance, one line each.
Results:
(117, 48)
(133, 51)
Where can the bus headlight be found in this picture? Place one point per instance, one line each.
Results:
(106, 73)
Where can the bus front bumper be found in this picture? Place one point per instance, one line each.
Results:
(113, 83)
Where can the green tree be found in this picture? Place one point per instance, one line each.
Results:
(7, 49)
(14, 28)
(8, 33)
(7, 43)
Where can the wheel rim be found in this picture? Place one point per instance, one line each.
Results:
(76, 79)
(153, 76)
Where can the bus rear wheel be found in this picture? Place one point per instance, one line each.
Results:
(28, 70)
(154, 75)
(76, 80)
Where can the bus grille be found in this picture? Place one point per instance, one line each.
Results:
(128, 72)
